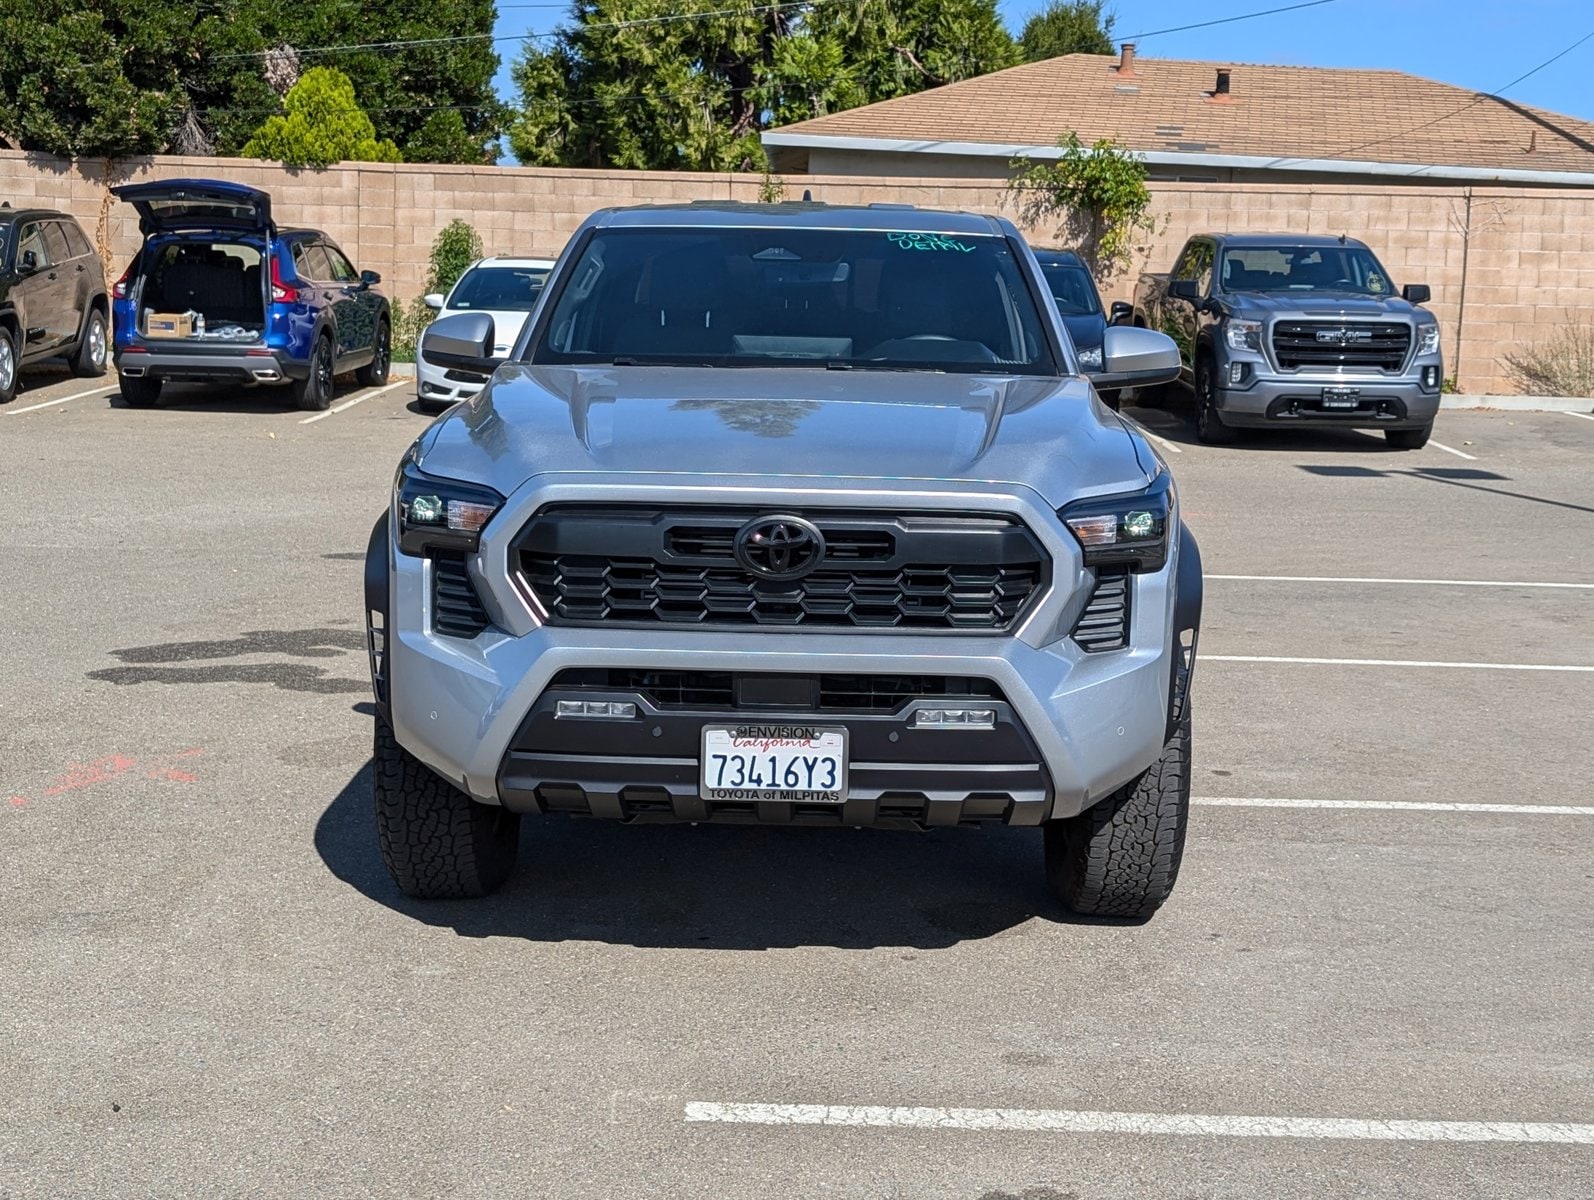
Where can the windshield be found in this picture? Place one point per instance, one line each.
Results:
(1071, 289)
(507, 289)
(1304, 269)
(797, 297)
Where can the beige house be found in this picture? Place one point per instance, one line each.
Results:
(1201, 122)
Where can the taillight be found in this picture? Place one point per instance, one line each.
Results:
(119, 290)
(281, 292)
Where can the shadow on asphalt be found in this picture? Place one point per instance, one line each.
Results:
(1175, 421)
(722, 887)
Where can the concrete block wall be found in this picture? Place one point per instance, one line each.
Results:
(1506, 264)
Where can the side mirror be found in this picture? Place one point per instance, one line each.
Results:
(369, 279)
(1184, 289)
(1417, 293)
(1120, 312)
(29, 263)
(1134, 357)
(433, 301)
(463, 342)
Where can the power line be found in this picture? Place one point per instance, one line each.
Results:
(1266, 12)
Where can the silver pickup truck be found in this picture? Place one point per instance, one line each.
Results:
(787, 514)
(1279, 330)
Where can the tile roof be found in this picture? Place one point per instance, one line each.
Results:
(1167, 105)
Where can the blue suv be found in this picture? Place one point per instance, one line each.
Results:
(218, 294)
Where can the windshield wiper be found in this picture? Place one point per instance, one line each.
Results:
(658, 360)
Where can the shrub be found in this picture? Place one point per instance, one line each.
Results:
(1560, 365)
(409, 322)
(324, 125)
(457, 246)
(1098, 193)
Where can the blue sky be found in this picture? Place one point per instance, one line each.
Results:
(1477, 44)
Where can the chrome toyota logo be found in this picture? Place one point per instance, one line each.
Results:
(1344, 337)
(779, 547)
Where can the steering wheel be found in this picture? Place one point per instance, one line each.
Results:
(1348, 285)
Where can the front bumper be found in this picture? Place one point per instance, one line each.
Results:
(1072, 727)
(435, 385)
(1276, 402)
(246, 364)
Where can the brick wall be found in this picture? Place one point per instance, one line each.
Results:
(1522, 257)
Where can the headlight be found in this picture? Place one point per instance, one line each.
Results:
(1129, 530)
(440, 514)
(1090, 358)
(1428, 339)
(1244, 335)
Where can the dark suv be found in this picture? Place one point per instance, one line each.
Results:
(219, 294)
(52, 295)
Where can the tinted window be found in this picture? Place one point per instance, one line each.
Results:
(55, 239)
(795, 297)
(311, 261)
(1304, 269)
(1072, 289)
(508, 289)
(31, 237)
(342, 269)
(76, 241)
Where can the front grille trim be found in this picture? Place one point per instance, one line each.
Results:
(1295, 346)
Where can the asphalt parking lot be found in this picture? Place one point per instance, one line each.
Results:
(1373, 980)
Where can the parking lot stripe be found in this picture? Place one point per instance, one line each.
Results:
(1452, 450)
(361, 399)
(1514, 583)
(1389, 662)
(17, 412)
(1021, 1120)
(1584, 416)
(1531, 810)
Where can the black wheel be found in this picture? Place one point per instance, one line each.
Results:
(139, 391)
(438, 843)
(1120, 857)
(1409, 439)
(8, 365)
(88, 360)
(314, 391)
(374, 373)
(1209, 424)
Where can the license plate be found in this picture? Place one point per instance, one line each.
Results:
(1341, 397)
(804, 763)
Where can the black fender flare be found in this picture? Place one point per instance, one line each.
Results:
(378, 603)
(1188, 588)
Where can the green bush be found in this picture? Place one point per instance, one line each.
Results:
(457, 246)
(1098, 193)
(409, 322)
(324, 125)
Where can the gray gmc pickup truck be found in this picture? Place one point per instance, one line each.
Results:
(1284, 330)
(787, 514)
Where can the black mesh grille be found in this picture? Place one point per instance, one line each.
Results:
(1104, 625)
(918, 572)
(1340, 344)
(456, 609)
(719, 689)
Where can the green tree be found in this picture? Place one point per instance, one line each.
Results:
(323, 125)
(1096, 194)
(455, 247)
(694, 94)
(446, 138)
(1067, 27)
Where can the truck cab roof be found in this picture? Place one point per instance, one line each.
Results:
(1241, 241)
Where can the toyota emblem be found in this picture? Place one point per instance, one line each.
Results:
(779, 547)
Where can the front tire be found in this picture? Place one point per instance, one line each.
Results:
(1409, 439)
(9, 366)
(88, 360)
(1120, 858)
(1209, 424)
(314, 391)
(139, 391)
(437, 842)
(374, 373)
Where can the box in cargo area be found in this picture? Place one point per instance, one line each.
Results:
(168, 325)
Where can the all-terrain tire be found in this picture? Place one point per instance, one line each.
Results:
(93, 348)
(139, 391)
(438, 843)
(1409, 439)
(314, 392)
(374, 373)
(1120, 857)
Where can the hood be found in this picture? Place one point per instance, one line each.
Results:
(1049, 435)
(1319, 304)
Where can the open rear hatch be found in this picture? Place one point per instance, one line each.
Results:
(177, 205)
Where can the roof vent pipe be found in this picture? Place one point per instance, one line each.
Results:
(1126, 60)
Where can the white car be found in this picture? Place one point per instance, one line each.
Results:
(507, 290)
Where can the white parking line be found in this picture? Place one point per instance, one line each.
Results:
(1584, 416)
(102, 390)
(1530, 810)
(1021, 1120)
(361, 399)
(1513, 583)
(1388, 662)
(1452, 450)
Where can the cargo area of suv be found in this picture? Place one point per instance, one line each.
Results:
(219, 286)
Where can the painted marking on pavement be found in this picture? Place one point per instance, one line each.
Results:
(1515, 583)
(1020, 1120)
(99, 391)
(360, 399)
(1389, 662)
(1452, 450)
(113, 766)
(1584, 416)
(1534, 810)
